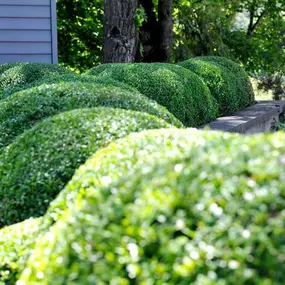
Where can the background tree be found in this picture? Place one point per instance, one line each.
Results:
(156, 31)
(259, 42)
(251, 32)
(199, 28)
(138, 30)
(80, 33)
(120, 31)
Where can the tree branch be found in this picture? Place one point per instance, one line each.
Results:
(252, 26)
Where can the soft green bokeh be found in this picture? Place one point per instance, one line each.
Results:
(210, 212)
(16, 244)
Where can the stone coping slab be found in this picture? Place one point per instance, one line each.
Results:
(255, 119)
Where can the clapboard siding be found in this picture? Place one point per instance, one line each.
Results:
(42, 58)
(25, 48)
(24, 24)
(25, 36)
(22, 11)
(27, 2)
(28, 31)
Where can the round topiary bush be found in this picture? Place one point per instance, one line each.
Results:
(214, 215)
(23, 110)
(15, 78)
(148, 145)
(182, 92)
(242, 85)
(220, 81)
(134, 151)
(69, 77)
(38, 164)
(108, 81)
(16, 244)
(83, 79)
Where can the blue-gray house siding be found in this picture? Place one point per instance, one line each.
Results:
(28, 31)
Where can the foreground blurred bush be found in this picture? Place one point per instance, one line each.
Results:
(210, 212)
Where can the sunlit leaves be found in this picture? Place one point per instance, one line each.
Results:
(80, 27)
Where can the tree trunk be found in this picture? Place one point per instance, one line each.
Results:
(156, 36)
(120, 33)
(166, 29)
(149, 34)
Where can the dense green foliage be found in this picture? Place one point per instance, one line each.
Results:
(219, 220)
(235, 28)
(257, 38)
(38, 164)
(16, 77)
(16, 243)
(6, 66)
(182, 92)
(227, 82)
(242, 83)
(83, 79)
(69, 77)
(105, 168)
(104, 164)
(134, 151)
(219, 82)
(204, 27)
(199, 27)
(158, 207)
(80, 29)
(23, 110)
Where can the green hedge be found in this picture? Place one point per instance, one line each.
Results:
(23, 110)
(6, 66)
(182, 92)
(18, 76)
(104, 165)
(220, 81)
(16, 243)
(211, 214)
(242, 84)
(38, 164)
(83, 79)
(149, 146)
(66, 78)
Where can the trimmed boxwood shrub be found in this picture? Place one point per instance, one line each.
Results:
(6, 66)
(69, 77)
(148, 145)
(220, 81)
(242, 84)
(16, 243)
(83, 79)
(134, 151)
(214, 215)
(109, 81)
(181, 91)
(38, 164)
(16, 77)
(23, 110)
